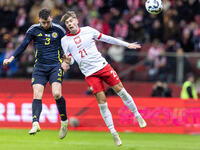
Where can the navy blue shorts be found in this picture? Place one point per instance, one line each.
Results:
(42, 74)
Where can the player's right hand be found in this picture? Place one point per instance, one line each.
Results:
(8, 61)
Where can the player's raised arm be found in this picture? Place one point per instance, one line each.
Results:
(115, 41)
(111, 40)
(19, 49)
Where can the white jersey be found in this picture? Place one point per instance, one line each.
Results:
(83, 49)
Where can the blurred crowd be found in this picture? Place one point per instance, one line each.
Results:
(175, 30)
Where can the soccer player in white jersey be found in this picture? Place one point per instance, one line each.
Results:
(79, 45)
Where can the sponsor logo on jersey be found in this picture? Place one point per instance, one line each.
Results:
(40, 34)
(54, 35)
(48, 35)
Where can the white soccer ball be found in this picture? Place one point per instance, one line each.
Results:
(73, 122)
(154, 6)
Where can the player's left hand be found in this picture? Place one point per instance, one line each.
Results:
(134, 45)
(65, 66)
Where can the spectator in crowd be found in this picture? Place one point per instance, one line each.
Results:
(11, 69)
(37, 6)
(26, 62)
(196, 36)
(186, 40)
(22, 20)
(121, 29)
(160, 66)
(136, 30)
(116, 52)
(188, 89)
(3, 37)
(178, 62)
(171, 30)
(161, 89)
(153, 53)
(197, 41)
(156, 31)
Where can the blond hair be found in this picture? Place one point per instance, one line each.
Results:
(67, 15)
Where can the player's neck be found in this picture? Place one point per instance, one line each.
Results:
(75, 31)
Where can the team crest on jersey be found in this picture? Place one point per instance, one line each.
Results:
(54, 35)
(77, 40)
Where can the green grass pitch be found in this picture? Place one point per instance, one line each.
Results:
(17, 139)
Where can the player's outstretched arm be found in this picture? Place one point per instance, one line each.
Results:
(115, 41)
(8, 60)
(111, 40)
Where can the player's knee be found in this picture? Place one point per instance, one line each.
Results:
(57, 95)
(117, 88)
(37, 95)
(102, 100)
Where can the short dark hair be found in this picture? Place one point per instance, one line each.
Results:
(44, 13)
(68, 14)
(189, 75)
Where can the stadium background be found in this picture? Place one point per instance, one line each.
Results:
(171, 39)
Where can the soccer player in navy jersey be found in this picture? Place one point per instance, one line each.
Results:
(47, 42)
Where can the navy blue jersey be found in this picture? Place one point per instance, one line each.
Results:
(47, 43)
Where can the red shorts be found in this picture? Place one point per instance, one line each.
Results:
(107, 74)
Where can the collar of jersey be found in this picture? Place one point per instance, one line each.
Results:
(48, 28)
(69, 34)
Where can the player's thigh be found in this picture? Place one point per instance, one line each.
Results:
(39, 76)
(38, 90)
(56, 88)
(117, 87)
(100, 97)
(95, 83)
(56, 74)
(110, 76)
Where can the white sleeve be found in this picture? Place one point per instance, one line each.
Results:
(72, 60)
(108, 39)
(65, 49)
(112, 40)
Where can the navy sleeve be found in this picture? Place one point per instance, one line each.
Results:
(62, 33)
(189, 90)
(20, 49)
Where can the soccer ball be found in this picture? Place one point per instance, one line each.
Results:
(154, 6)
(74, 122)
